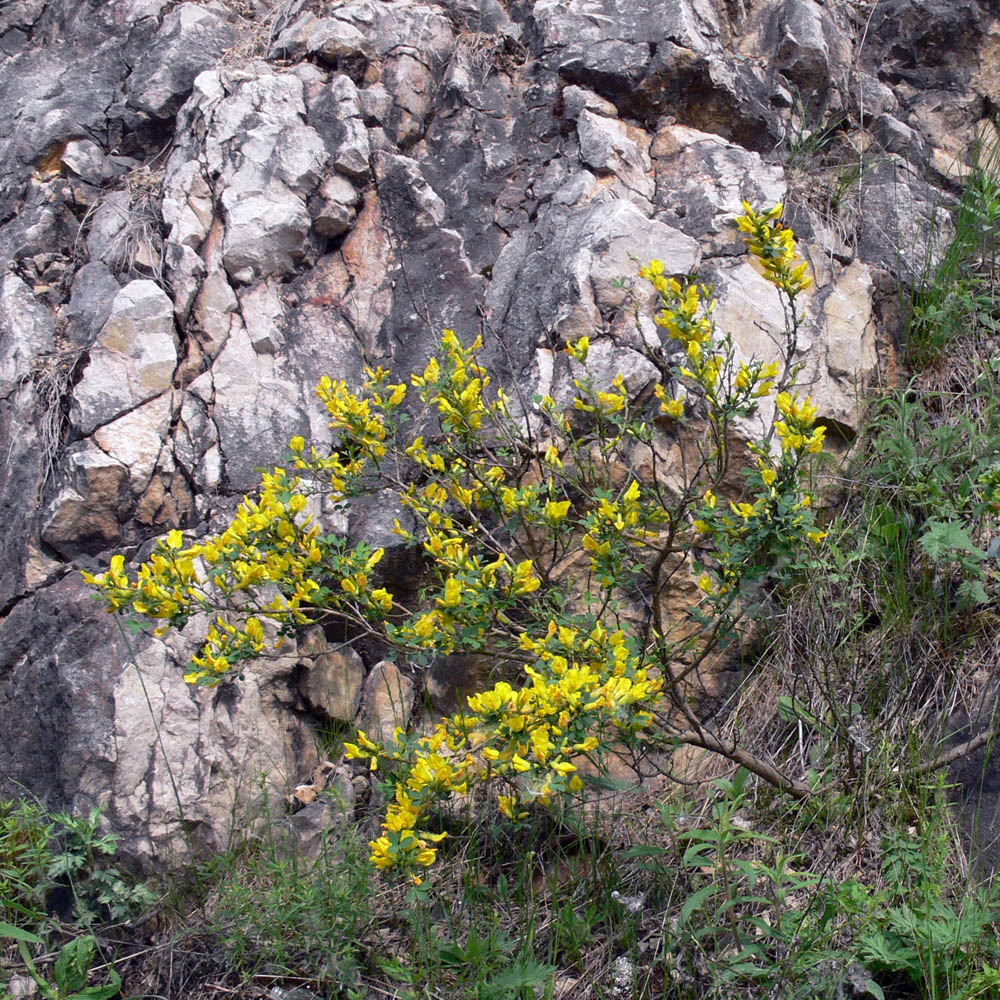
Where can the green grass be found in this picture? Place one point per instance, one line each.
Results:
(958, 293)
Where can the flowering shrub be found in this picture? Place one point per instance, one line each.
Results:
(504, 504)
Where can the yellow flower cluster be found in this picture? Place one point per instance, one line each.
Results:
(582, 688)
(796, 430)
(625, 517)
(686, 314)
(456, 387)
(270, 541)
(360, 420)
(671, 406)
(773, 244)
(600, 402)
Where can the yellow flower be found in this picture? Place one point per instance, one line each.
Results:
(556, 511)
(507, 804)
(579, 349)
(673, 408)
(610, 402)
(524, 582)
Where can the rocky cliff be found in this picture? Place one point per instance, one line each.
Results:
(204, 207)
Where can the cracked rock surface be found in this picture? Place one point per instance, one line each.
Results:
(206, 206)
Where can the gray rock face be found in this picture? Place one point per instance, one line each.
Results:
(94, 291)
(702, 181)
(331, 684)
(388, 701)
(386, 169)
(571, 277)
(59, 88)
(190, 39)
(134, 357)
(265, 232)
(898, 210)
(27, 333)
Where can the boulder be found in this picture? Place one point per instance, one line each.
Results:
(133, 359)
(265, 231)
(27, 332)
(388, 702)
(331, 684)
(190, 39)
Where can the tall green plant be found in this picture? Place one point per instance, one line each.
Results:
(501, 503)
(957, 294)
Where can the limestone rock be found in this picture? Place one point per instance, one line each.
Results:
(190, 40)
(133, 359)
(578, 99)
(613, 52)
(335, 207)
(331, 683)
(836, 347)
(702, 181)
(106, 236)
(310, 827)
(186, 269)
(804, 41)
(419, 206)
(224, 746)
(388, 701)
(55, 89)
(265, 231)
(332, 38)
(187, 204)
(565, 284)
(87, 513)
(94, 291)
(136, 439)
(605, 361)
(213, 312)
(898, 212)
(87, 160)
(263, 313)
(611, 146)
(27, 332)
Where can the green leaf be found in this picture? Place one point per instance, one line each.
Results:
(396, 971)
(526, 973)
(99, 992)
(973, 592)
(10, 931)
(942, 538)
(792, 710)
(73, 963)
(871, 987)
(694, 901)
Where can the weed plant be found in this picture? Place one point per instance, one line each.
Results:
(55, 866)
(957, 294)
(272, 912)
